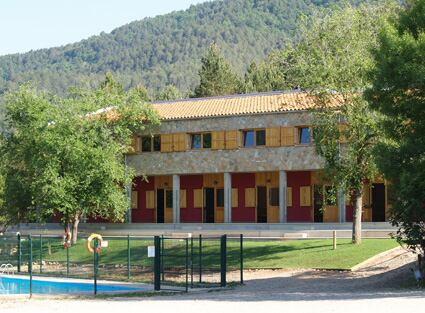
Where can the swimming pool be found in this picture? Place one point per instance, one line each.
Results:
(20, 285)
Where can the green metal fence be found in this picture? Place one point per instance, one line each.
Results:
(178, 263)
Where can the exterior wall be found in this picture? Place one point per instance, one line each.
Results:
(190, 214)
(242, 213)
(233, 161)
(297, 213)
(297, 157)
(142, 214)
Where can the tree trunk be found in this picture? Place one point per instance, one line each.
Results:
(357, 217)
(75, 228)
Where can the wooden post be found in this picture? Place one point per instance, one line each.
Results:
(334, 239)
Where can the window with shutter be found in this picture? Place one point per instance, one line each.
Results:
(289, 196)
(179, 142)
(232, 140)
(234, 197)
(305, 196)
(166, 143)
(273, 137)
(197, 198)
(150, 199)
(218, 141)
(134, 199)
(287, 136)
(182, 198)
(250, 197)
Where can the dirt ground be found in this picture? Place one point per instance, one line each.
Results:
(385, 285)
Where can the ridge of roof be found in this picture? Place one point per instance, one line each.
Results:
(234, 96)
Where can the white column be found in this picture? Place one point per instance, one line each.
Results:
(282, 197)
(176, 199)
(341, 205)
(128, 189)
(227, 197)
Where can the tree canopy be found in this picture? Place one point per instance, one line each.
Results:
(332, 62)
(398, 93)
(60, 158)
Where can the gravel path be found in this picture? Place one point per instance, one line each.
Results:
(373, 287)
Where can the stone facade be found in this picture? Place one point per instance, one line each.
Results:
(258, 159)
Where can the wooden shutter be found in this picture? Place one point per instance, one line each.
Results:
(197, 198)
(305, 196)
(179, 142)
(166, 143)
(273, 137)
(150, 199)
(287, 136)
(182, 198)
(218, 140)
(234, 197)
(134, 199)
(135, 145)
(232, 139)
(289, 196)
(249, 197)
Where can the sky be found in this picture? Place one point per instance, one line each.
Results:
(33, 24)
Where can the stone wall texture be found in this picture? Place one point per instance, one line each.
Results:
(239, 160)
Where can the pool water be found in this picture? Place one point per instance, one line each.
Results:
(16, 285)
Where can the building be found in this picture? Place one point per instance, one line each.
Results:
(238, 159)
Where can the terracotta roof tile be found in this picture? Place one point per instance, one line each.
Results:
(237, 105)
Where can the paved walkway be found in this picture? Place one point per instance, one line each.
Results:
(374, 288)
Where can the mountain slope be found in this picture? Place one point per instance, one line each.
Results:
(165, 49)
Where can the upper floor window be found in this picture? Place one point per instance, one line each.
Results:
(304, 135)
(151, 143)
(253, 138)
(201, 141)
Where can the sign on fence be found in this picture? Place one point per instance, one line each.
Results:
(151, 251)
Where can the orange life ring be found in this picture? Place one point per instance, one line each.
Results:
(89, 240)
(67, 240)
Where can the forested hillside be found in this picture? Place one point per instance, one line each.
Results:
(166, 49)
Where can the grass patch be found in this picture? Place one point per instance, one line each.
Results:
(258, 254)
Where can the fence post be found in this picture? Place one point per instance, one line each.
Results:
(19, 253)
(41, 254)
(128, 258)
(241, 257)
(334, 239)
(191, 262)
(187, 264)
(162, 257)
(67, 261)
(95, 263)
(30, 262)
(223, 257)
(200, 259)
(157, 264)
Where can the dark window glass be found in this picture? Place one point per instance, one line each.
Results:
(305, 136)
(220, 197)
(206, 144)
(169, 199)
(248, 138)
(196, 141)
(260, 137)
(274, 196)
(157, 143)
(146, 144)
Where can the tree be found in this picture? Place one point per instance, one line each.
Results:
(398, 92)
(61, 158)
(170, 92)
(332, 62)
(271, 74)
(216, 76)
